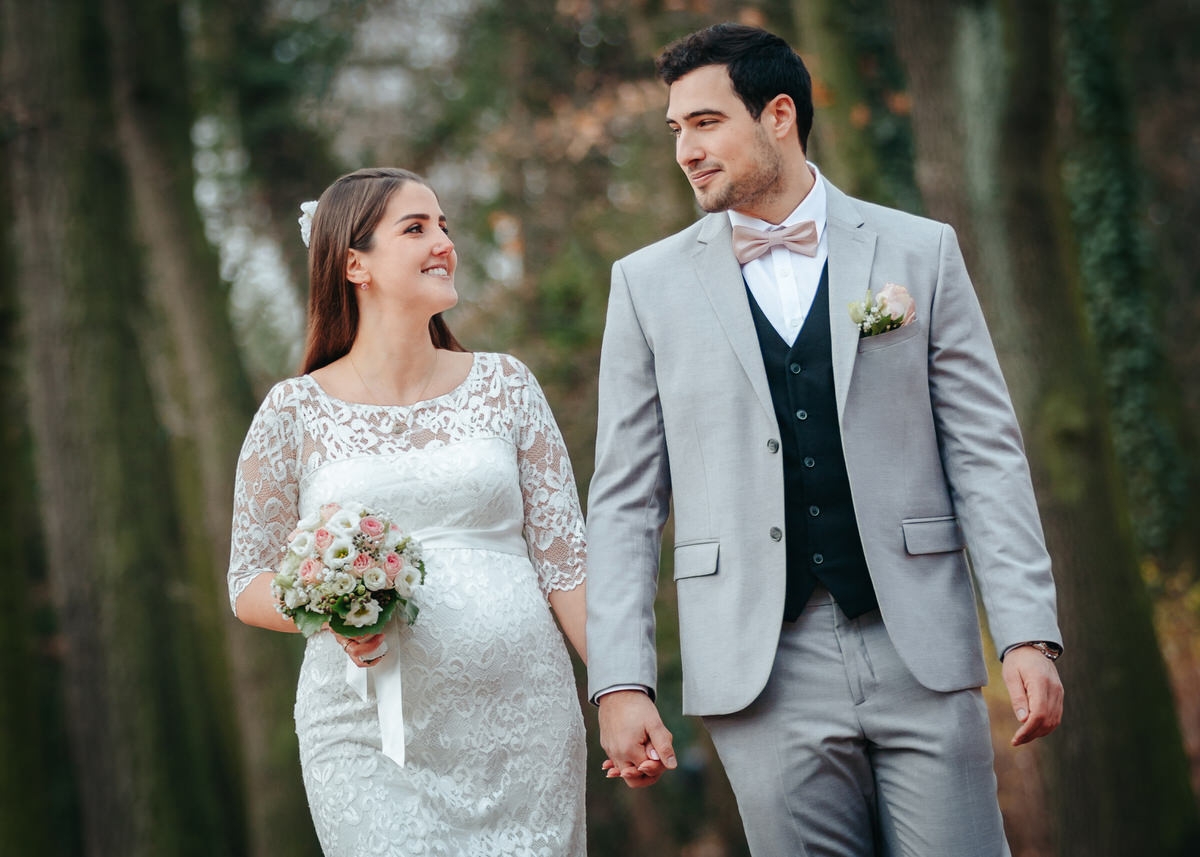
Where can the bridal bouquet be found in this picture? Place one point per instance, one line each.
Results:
(349, 567)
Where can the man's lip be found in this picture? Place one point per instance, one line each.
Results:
(701, 176)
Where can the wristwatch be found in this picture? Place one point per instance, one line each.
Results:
(1050, 650)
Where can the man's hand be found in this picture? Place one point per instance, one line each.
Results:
(1035, 691)
(633, 735)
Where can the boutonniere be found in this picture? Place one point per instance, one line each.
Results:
(892, 308)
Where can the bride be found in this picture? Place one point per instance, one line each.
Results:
(482, 753)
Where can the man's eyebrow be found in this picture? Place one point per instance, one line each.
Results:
(703, 111)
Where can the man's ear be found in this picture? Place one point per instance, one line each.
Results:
(779, 115)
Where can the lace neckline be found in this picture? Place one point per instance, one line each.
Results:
(449, 394)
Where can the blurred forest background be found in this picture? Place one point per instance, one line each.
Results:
(152, 282)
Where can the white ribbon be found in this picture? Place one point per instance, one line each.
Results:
(384, 674)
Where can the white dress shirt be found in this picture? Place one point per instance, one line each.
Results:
(783, 282)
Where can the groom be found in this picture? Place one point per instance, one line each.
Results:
(829, 474)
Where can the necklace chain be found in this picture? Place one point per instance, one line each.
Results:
(378, 399)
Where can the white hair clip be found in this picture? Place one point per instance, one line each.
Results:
(308, 209)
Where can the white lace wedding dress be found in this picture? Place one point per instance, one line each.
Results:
(494, 734)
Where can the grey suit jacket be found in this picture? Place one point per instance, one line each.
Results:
(933, 452)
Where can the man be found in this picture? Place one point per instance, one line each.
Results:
(829, 465)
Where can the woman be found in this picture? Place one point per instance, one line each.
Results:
(462, 451)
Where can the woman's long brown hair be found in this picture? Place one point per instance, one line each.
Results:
(346, 217)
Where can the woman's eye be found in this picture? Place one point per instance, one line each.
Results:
(414, 229)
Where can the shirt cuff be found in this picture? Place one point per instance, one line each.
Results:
(615, 687)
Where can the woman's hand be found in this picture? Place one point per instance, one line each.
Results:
(364, 651)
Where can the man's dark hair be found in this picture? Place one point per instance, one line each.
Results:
(761, 66)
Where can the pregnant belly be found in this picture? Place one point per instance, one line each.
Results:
(484, 640)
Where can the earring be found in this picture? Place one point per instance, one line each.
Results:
(362, 286)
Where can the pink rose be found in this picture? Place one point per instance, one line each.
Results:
(323, 538)
(372, 527)
(393, 564)
(329, 510)
(897, 302)
(310, 571)
(362, 562)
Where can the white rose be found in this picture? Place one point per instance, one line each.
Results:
(342, 583)
(374, 578)
(340, 553)
(310, 522)
(363, 614)
(294, 598)
(302, 543)
(896, 302)
(343, 523)
(289, 565)
(406, 580)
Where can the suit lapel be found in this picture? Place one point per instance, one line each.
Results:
(721, 278)
(851, 252)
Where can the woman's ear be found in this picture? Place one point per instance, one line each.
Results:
(356, 270)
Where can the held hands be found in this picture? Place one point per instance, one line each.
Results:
(633, 735)
(1035, 691)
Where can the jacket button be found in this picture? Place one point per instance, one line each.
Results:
(772, 445)
(796, 368)
(809, 461)
(818, 559)
(814, 511)
(776, 534)
(802, 414)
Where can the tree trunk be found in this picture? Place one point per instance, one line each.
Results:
(35, 818)
(988, 161)
(862, 137)
(146, 777)
(205, 404)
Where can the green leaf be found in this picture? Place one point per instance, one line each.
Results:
(309, 622)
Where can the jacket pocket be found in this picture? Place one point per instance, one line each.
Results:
(892, 337)
(932, 535)
(696, 559)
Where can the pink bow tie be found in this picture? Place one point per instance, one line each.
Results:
(750, 243)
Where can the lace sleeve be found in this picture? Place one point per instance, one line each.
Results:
(553, 522)
(265, 493)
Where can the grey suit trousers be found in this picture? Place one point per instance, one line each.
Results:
(845, 754)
